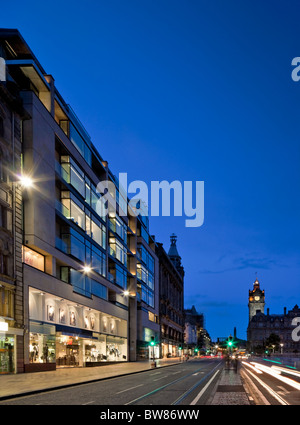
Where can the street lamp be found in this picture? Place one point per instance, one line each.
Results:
(281, 345)
(86, 269)
(25, 181)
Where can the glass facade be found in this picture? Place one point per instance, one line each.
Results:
(69, 334)
(41, 343)
(145, 275)
(78, 351)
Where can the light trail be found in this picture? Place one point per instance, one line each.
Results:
(277, 374)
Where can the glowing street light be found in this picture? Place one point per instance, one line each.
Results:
(87, 269)
(25, 181)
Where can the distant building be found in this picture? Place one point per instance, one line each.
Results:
(171, 284)
(195, 335)
(256, 300)
(262, 325)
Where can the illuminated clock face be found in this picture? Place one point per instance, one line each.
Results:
(256, 298)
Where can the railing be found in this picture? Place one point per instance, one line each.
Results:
(112, 252)
(62, 172)
(61, 245)
(111, 278)
(62, 209)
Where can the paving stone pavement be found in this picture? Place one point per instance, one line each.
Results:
(230, 389)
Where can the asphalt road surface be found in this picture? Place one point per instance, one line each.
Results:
(270, 383)
(188, 383)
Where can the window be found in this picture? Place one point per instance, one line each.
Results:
(73, 174)
(120, 228)
(121, 277)
(5, 218)
(80, 144)
(75, 208)
(99, 290)
(6, 302)
(98, 261)
(33, 258)
(119, 251)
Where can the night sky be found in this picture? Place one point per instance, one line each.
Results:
(192, 90)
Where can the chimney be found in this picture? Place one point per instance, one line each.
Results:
(284, 311)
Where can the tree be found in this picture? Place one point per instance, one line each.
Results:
(273, 340)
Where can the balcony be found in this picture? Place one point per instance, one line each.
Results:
(62, 245)
(62, 172)
(62, 209)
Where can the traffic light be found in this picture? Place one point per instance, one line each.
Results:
(196, 350)
(230, 342)
(152, 342)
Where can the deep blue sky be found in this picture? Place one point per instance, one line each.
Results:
(192, 90)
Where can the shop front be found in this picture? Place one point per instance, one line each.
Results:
(75, 351)
(9, 338)
(65, 334)
(7, 353)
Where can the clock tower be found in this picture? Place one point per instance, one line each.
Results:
(256, 300)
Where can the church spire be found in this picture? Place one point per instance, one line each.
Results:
(173, 254)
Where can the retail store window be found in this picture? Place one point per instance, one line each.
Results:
(33, 258)
(42, 343)
(7, 354)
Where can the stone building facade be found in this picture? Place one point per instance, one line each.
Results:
(262, 325)
(12, 115)
(171, 285)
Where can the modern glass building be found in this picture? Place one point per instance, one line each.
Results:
(89, 279)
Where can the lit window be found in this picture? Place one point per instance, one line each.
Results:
(33, 258)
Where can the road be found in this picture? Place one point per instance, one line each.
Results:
(189, 383)
(269, 383)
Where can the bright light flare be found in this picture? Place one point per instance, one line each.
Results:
(26, 181)
(87, 269)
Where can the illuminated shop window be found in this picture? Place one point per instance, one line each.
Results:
(33, 259)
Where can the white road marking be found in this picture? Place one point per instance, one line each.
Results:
(195, 374)
(259, 398)
(284, 390)
(89, 402)
(162, 377)
(128, 389)
(204, 389)
(270, 391)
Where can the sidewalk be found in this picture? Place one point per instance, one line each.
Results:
(230, 389)
(29, 383)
